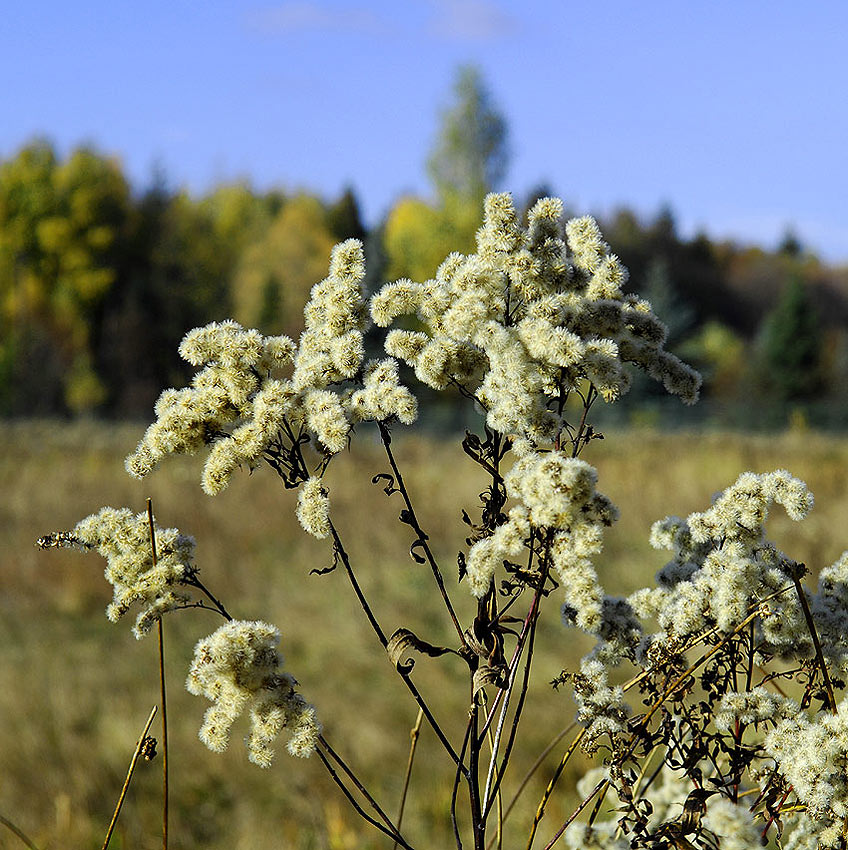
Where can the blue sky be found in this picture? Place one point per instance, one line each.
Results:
(733, 113)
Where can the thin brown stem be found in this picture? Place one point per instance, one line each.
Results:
(414, 734)
(381, 636)
(386, 437)
(359, 810)
(689, 671)
(588, 401)
(529, 623)
(519, 647)
(455, 788)
(17, 831)
(533, 617)
(127, 781)
(499, 829)
(194, 581)
(808, 616)
(532, 770)
(540, 810)
(600, 787)
(162, 697)
(164, 704)
(353, 778)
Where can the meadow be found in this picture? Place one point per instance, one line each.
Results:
(75, 690)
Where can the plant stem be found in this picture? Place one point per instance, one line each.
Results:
(533, 768)
(164, 739)
(414, 734)
(478, 823)
(455, 788)
(17, 831)
(588, 401)
(362, 789)
(385, 436)
(540, 810)
(127, 781)
(600, 786)
(162, 698)
(196, 582)
(381, 636)
(808, 616)
(530, 622)
(688, 672)
(359, 810)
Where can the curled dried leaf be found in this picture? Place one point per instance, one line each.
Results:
(418, 544)
(488, 675)
(390, 482)
(404, 641)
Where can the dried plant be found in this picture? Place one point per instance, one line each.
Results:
(709, 700)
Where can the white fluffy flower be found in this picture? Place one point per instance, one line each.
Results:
(237, 667)
(313, 508)
(123, 538)
(533, 314)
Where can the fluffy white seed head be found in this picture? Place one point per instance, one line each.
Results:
(313, 508)
(238, 668)
(123, 538)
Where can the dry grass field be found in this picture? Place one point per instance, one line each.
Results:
(75, 690)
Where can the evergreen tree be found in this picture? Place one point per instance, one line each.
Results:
(790, 343)
(344, 220)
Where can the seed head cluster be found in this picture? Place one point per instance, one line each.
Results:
(313, 508)
(527, 318)
(250, 387)
(123, 538)
(238, 668)
(813, 756)
(722, 562)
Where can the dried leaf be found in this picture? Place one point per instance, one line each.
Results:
(488, 675)
(418, 544)
(390, 482)
(404, 641)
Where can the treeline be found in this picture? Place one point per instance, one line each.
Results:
(98, 285)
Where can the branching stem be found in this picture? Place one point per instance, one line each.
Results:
(362, 789)
(381, 636)
(386, 438)
(392, 833)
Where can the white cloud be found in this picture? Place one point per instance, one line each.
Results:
(470, 20)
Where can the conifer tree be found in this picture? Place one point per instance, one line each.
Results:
(790, 345)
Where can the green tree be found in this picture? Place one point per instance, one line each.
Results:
(180, 257)
(468, 160)
(275, 273)
(62, 229)
(344, 219)
(789, 345)
(470, 156)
